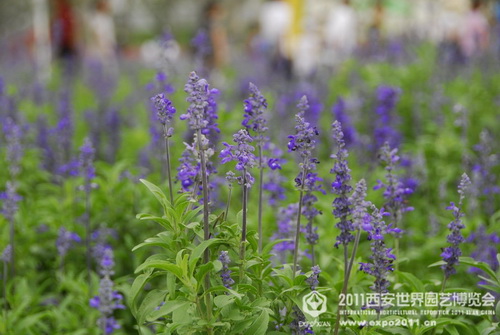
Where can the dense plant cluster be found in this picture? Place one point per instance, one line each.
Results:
(249, 201)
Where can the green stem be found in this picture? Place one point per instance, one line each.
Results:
(167, 159)
(88, 233)
(243, 226)
(13, 249)
(346, 278)
(228, 202)
(206, 213)
(297, 235)
(5, 304)
(297, 230)
(261, 179)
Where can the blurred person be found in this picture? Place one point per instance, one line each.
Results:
(210, 42)
(275, 20)
(447, 34)
(214, 14)
(376, 28)
(64, 30)
(101, 46)
(42, 46)
(341, 32)
(474, 34)
(496, 28)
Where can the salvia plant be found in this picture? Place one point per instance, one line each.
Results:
(238, 235)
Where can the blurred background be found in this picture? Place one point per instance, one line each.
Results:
(295, 38)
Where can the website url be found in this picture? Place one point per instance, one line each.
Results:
(388, 323)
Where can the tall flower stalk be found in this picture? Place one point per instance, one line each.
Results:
(13, 136)
(87, 171)
(6, 258)
(198, 94)
(382, 257)
(303, 143)
(108, 300)
(342, 188)
(10, 207)
(64, 242)
(198, 97)
(395, 192)
(255, 107)
(225, 273)
(451, 254)
(360, 220)
(310, 212)
(165, 112)
(242, 153)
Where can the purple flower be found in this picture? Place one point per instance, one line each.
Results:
(384, 125)
(225, 273)
(382, 257)
(65, 128)
(286, 223)
(255, 107)
(44, 143)
(113, 125)
(340, 187)
(212, 130)
(66, 240)
(395, 192)
(360, 216)
(87, 170)
(108, 300)
(242, 153)
(486, 249)
(13, 136)
(308, 209)
(313, 279)
(6, 254)
(451, 254)
(274, 187)
(164, 111)
(303, 142)
(161, 84)
(299, 325)
(188, 170)
(10, 201)
(201, 44)
(341, 116)
(198, 96)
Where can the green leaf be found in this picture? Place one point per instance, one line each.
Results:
(161, 265)
(198, 251)
(165, 223)
(167, 308)
(437, 264)
(171, 286)
(158, 193)
(415, 283)
(452, 330)
(222, 300)
(137, 286)
(489, 330)
(441, 322)
(481, 265)
(260, 325)
(153, 242)
(203, 270)
(269, 246)
(149, 304)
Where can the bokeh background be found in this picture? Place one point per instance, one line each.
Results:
(298, 37)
